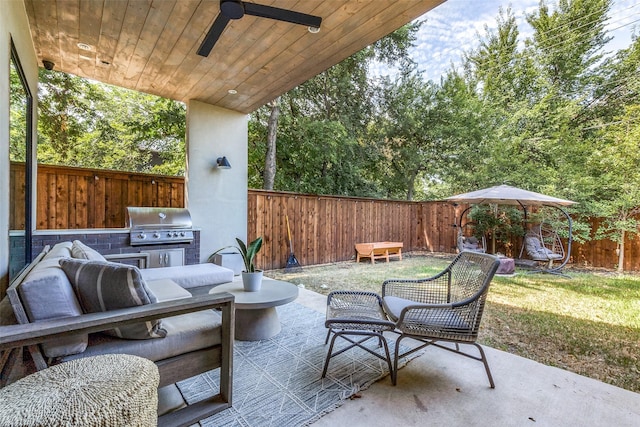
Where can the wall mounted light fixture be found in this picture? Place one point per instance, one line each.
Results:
(223, 163)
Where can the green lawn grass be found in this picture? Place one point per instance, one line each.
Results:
(588, 324)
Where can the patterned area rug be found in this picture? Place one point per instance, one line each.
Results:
(277, 382)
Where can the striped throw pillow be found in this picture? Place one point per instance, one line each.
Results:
(103, 286)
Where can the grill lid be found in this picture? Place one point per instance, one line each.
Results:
(158, 218)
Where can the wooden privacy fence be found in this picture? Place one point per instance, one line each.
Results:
(75, 198)
(324, 228)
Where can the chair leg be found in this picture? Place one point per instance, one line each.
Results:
(326, 340)
(394, 374)
(486, 364)
(426, 342)
(329, 355)
(344, 336)
(367, 336)
(386, 352)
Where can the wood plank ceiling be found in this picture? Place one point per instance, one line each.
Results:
(150, 45)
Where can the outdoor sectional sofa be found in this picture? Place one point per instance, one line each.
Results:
(70, 303)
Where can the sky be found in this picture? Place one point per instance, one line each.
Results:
(452, 28)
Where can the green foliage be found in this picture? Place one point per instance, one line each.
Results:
(87, 124)
(323, 143)
(318, 156)
(500, 224)
(567, 43)
(614, 165)
(248, 253)
(17, 117)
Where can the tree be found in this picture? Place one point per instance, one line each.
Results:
(613, 167)
(340, 100)
(159, 128)
(568, 43)
(496, 65)
(270, 157)
(618, 86)
(88, 124)
(67, 110)
(17, 117)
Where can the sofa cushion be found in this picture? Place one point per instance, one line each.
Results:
(435, 319)
(47, 294)
(60, 250)
(167, 290)
(185, 333)
(81, 251)
(103, 286)
(191, 276)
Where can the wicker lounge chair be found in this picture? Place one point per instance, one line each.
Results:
(445, 307)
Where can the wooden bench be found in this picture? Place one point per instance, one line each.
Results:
(379, 250)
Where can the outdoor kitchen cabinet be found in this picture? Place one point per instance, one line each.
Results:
(165, 257)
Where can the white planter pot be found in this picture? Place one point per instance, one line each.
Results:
(252, 282)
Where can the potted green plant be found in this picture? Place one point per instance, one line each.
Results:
(251, 277)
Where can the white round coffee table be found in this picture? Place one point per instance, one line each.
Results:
(256, 316)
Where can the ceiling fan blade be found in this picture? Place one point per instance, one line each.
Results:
(282, 14)
(213, 35)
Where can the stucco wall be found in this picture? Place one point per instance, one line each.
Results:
(216, 198)
(13, 24)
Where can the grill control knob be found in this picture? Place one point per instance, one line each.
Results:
(169, 234)
(156, 235)
(182, 234)
(142, 236)
(175, 234)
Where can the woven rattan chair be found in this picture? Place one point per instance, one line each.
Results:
(445, 307)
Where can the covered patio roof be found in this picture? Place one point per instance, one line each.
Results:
(150, 46)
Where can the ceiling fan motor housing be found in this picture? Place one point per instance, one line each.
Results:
(232, 9)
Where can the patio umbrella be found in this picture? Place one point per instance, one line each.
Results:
(507, 195)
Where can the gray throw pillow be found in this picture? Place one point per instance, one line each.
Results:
(81, 251)
(103, 286)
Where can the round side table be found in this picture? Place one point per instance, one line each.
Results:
(256, 316)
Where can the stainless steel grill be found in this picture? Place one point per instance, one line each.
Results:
(154, 226)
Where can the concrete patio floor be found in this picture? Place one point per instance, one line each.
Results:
(440, 388)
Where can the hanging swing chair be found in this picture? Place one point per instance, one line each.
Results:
(543, 244)
(467, 241)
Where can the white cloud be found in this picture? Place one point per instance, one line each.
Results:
(452, 28)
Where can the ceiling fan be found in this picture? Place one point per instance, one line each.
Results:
(236, 9)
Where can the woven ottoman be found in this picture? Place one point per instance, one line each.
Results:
(108, 390)
(352, 314)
